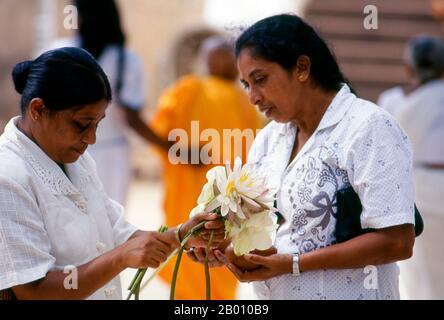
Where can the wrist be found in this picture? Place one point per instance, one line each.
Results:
(177, 234)
(118, 258)
(287, 264)
(182, 231)
(181, 234)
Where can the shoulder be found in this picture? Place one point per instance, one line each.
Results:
(13, 166)
(266, 137)
(369, 124)
(366, 115)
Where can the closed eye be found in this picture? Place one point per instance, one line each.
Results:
(259, 80)
(82, 126)
(244, 84)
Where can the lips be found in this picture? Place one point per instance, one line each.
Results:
(81, 150)
(265, 109)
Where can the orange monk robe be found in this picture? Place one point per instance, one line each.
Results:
(216, 104)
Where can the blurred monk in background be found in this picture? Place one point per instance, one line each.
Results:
(216, 102)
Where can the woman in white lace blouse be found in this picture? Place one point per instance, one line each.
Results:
(323, 139)
(54, 213)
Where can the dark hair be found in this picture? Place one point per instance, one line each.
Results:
(62, 78)
(283, 38)
(99, 25)
(425, 54)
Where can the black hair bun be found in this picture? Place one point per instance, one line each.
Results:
(20, 75)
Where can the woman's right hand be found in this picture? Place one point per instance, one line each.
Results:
(213, 228)
(148, 250)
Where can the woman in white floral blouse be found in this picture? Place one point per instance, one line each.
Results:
(323, 139)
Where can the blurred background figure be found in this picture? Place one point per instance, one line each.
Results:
(216, 102)
(438, 9)
(101, 34)
(419, 108)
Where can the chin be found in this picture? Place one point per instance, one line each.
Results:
(71, 159)
(278, 119)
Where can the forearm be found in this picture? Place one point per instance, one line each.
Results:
(372, 248)
(90, 277)
(146, 132)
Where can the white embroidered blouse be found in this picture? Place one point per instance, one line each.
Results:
(356, 144)
(49, 221)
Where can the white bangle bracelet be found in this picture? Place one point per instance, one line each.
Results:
(295, 270)
(176, 233)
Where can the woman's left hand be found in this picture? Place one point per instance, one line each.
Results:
(269, 267)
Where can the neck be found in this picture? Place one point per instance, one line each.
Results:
(313, 109)
(24, 127)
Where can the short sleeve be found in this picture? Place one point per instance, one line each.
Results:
(24, 244)
(132, 93)
(380, 171)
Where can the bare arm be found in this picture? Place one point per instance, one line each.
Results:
(380, 247)
(137, 124)
(142, 250)
(146, 250)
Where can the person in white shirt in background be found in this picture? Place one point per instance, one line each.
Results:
(419, 109)
(100, 33)
(54, 212)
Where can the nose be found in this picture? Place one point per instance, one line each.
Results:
(90, 136)
(255, 97)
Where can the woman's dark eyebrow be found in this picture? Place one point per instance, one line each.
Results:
(252, 73)
(88, 118)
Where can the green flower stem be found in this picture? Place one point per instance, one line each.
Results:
(134, 286)
(176, 270)
(207, 269)
(193, 231)
(134, 279)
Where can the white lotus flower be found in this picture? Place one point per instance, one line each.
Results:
(228, 197)
(256, 232)
(245, 202)
(207, 193)
(200, 208)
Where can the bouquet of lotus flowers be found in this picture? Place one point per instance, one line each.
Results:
(243, 200)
